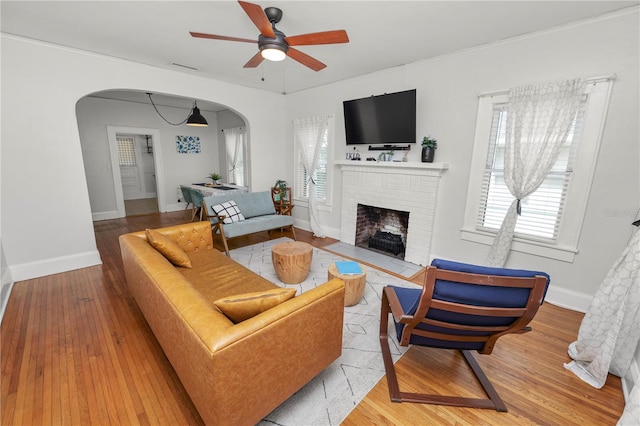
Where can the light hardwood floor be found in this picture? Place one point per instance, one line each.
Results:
(77, 351)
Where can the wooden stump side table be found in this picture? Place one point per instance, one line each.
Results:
(292, 261)
(354, 284)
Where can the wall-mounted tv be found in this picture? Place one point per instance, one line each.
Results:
(382, 119)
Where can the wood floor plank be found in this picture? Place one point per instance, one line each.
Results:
(76, 350)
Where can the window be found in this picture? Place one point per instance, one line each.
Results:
(552, 216)
(322, 172)
(126, 151)
(542, 210)
(235, 147)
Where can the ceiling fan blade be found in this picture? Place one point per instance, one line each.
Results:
(256, 14)
(305, 59)
(324, 37)
(219, 37)
(255, 61)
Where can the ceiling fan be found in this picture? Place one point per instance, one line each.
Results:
(274, 45)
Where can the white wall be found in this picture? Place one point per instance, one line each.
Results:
(46, 216)
(448, 89)
(95, 114)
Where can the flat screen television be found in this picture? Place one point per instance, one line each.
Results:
(382, 119)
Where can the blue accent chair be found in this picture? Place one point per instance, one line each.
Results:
(463, 307)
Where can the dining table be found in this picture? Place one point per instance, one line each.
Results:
(207, 189)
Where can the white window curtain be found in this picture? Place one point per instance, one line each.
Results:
(234, 143)
(609, 331)
(538, 123)
(309, 133)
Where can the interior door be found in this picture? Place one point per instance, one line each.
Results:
(129, 169)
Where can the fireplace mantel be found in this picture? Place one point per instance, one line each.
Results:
(393, 165)
(404, 186)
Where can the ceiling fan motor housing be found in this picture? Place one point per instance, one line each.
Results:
(273, 43)
(274, 15)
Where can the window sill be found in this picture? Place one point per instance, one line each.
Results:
(563, 254)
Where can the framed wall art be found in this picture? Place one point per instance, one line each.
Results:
(188, 144)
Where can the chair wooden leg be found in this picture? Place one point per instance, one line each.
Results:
(494, 401)
(293, 232)
(392, 379)
(484, 382)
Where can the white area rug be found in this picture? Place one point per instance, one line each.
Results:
(330, 396)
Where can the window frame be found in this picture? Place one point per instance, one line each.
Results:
(577, 197)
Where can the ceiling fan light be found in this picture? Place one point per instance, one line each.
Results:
(196, 119)
(272, 54)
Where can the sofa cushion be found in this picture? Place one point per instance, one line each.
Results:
(244, 306)
(250, 203)
(230, 210)
(168, 248)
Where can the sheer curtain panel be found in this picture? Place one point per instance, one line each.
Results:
(538, 123)
(234, 143)
(309, 133)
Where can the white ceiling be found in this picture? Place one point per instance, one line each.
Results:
(383, 34)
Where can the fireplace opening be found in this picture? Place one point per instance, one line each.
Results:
(382, 230)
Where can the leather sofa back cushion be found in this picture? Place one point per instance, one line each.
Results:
(168, 248)
(244, 306)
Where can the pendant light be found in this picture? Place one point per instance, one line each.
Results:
(193, 119)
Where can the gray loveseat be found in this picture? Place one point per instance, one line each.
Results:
(257, 210)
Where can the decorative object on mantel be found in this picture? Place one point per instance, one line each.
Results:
(429, 146)
(215, 177)
(188, 144)
(386, 156)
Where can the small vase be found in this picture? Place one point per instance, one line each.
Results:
(427, 154)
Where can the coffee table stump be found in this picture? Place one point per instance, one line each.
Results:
(292, 261)
(354, 284)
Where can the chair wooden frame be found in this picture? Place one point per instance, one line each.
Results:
(283, 205)
(219, 227)
(391, 305)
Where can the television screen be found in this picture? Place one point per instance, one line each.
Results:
(382, 119)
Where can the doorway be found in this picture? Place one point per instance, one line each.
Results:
(137, 173)
(137, 178)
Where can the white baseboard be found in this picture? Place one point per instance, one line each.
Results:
(631, 379)
(306, 225)
(113, 214)
(568, 299)
(5, 290)
(27, 271)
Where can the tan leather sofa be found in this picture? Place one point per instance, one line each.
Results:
(234, 373)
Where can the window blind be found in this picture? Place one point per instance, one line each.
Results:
(541, 210)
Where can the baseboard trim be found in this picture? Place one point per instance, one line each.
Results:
(568, 299)
(630, 380)
(113, 214)
(5, 290)
(27, 271)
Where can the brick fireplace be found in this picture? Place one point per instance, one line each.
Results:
(397, 186)
(382, 230)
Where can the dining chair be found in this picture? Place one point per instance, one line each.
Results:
(186, 196)
(196, 199)
(462, 307)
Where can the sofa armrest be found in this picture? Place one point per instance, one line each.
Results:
(297, 305)
(262, 361)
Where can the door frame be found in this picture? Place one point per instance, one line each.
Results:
(112, 132)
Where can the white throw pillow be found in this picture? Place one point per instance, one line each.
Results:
(230, 210)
